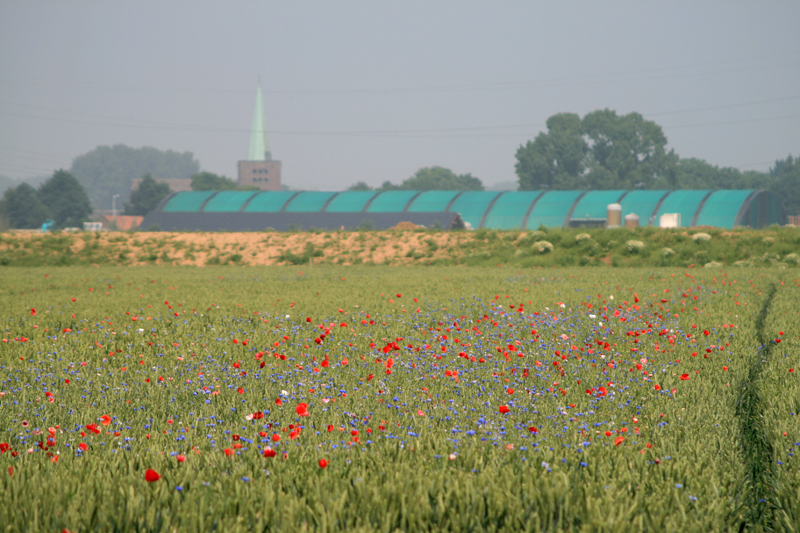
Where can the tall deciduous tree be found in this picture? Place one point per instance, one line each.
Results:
(146, 197)
(21, 208)
(627, 152)
(556, 159)
(65, 199)
(600, 151)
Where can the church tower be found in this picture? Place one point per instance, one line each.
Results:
(259, 168)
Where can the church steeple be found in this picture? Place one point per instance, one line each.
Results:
(259, 139)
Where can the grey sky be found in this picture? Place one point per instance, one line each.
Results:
(373, 91)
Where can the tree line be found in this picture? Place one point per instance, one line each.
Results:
(61, 199)
(602, 150)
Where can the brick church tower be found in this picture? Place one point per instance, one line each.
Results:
(259, 168)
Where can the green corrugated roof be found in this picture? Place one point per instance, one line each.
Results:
(594, 204)
(308, 202)
(683, 202)
(432, 201)
(721, 207)
(472, 205)
(189, 201)
(642, 203)
(268, 201)
(350, 201)
(509, 210)
(228, 201)
(552, 209)
(391, 201)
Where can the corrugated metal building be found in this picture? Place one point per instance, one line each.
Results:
(283, 210)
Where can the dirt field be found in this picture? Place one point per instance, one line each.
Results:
(198, 249)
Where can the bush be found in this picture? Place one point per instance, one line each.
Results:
(635, 247)
(701, 237)
(581, 237)
(542, 247)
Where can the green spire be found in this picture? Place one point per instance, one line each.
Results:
(259, 141)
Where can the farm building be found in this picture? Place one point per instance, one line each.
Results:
(284, 210)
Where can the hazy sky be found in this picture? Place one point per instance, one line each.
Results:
(372, 91)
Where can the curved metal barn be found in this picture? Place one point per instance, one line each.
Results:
(284, 210)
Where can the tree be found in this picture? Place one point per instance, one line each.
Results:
(22, 209)
(786, 184)
(556, 159)
(600, 151)
(208, 181)
(441, 179)
(359, 186)
(627, 152)
(65, 199)
(108, 170)
(147, 196)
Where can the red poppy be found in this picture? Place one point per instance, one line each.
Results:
(228, 452)
(684, 376)
(269, 452)
(83, 446)
(181, 458)
(278, 401)
(618, 440)
(504, 409)
(533, 430)
(276, 437)
(509, 391)
(323, 463)
(105, 420)
(33, 311)
(151, 475)
(302, 409)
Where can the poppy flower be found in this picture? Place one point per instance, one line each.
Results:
(151, 475)
(323, 463)
(181, 458)
(618, 440)
(105, 420)
(302, 409)
(684, 376)
(33, 311)
(504, 409)
(228, 452)
(269, 452)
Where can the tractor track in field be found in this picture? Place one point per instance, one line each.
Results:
(759, 500)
